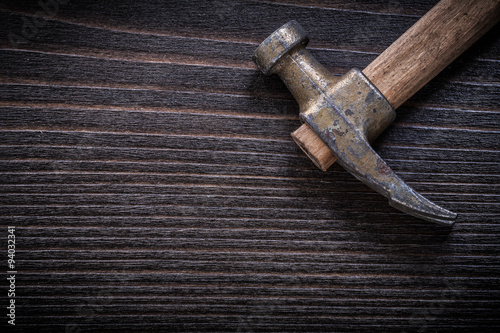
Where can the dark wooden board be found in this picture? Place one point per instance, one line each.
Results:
(148, 168)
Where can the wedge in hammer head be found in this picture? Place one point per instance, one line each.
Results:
(346, 113)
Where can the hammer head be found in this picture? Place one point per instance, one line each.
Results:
(346, 113)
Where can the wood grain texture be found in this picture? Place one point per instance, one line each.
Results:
(149, 171)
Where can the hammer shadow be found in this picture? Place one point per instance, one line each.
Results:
(353, 206)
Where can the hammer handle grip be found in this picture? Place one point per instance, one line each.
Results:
(416, 57)
(430, 45)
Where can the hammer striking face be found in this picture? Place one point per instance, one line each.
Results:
(342, 115)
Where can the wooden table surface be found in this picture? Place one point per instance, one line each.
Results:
(148, 169)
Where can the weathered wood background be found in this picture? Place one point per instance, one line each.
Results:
(148, 168)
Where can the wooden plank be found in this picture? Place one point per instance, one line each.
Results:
(148, 169)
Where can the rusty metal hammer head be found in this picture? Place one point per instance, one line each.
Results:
(346, 113)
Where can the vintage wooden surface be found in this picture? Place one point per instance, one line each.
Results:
(148, 169)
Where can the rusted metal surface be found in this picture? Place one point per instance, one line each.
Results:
(347, 113)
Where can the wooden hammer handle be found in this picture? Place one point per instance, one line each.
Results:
(430, 45)
(416, 57)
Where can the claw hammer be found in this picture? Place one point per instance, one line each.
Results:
(342, 115)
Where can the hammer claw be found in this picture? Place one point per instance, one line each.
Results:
(410, 202)
(368, 167)
(347, 135)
